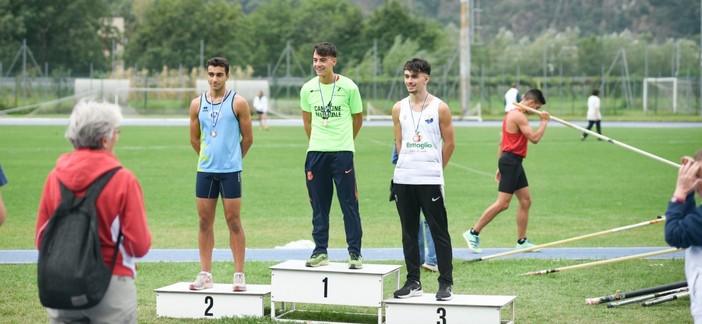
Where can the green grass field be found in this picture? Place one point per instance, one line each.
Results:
(577, 188)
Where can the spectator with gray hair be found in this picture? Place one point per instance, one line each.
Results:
(93, 129)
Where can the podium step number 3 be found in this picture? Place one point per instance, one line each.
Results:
(178, 301)
(461, 309)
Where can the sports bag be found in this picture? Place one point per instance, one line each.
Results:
(71, 271)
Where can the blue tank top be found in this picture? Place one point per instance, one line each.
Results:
(220, 153)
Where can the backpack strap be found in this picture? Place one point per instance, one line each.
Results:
(96, 187)
(93, 191)
(68, 197)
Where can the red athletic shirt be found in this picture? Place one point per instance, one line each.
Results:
(515, 143)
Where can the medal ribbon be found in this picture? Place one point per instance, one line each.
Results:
(421, 110)
(327, 107)
(215, 118)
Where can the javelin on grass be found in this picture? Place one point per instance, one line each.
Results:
(645, 297)
(666, 298)
(635, 293)
(596, 263)
(581, 237)
(615, 142)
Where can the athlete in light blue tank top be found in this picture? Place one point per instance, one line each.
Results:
(218, 124)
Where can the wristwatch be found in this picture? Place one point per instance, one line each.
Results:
(676, 200)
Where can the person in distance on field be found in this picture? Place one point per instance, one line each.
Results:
(512, 96)
(3, 210)
(260, 104)
(683, 227)
(510, 175)
(594, 115)
(93, 131)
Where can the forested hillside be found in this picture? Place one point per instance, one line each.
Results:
(660, 18)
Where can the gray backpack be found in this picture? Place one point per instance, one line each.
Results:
(72, 273)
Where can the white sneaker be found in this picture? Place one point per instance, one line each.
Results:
(239, 282)
(203, 281)
(430, 267)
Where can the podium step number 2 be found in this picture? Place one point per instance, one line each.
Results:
(178, 301)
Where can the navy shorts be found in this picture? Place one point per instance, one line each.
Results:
(210, 185)
(512, 175)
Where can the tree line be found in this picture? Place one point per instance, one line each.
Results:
(71, 37)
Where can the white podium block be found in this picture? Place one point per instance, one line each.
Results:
(334, 284)
(177, 300)
(464, 309)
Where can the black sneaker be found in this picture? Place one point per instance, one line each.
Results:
(445, 292)
(410, 289)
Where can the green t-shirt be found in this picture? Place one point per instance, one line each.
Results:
(337, 135)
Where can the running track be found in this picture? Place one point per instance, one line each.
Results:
(370, 254)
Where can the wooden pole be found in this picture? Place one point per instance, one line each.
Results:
(602, 137)
(568, 240)
(603, 262)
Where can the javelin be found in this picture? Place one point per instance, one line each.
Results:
(602, 137)
(596, 263)
(581, 237)
(635, 293)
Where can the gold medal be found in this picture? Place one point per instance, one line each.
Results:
(325, 122)
(213, 134)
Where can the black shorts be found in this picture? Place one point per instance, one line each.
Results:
(210, 185)
(259, 112)
(512, 175)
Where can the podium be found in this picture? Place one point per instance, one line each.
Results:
(479, 309)
(177, 300)
(334, 284)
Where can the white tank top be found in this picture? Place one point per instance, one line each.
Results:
(420, 160)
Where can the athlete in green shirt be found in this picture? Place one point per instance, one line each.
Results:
(332, 113)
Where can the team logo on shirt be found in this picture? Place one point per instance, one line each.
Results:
(429, 119)
(421, 146)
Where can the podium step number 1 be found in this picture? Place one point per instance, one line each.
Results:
(334, 284)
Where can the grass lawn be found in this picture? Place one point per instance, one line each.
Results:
(577, 188)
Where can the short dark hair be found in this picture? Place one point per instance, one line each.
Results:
(325, 49)
(595, 92)
(536, 95)
(219, 61)
(418, 65)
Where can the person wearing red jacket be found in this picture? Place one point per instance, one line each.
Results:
(93, 131)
